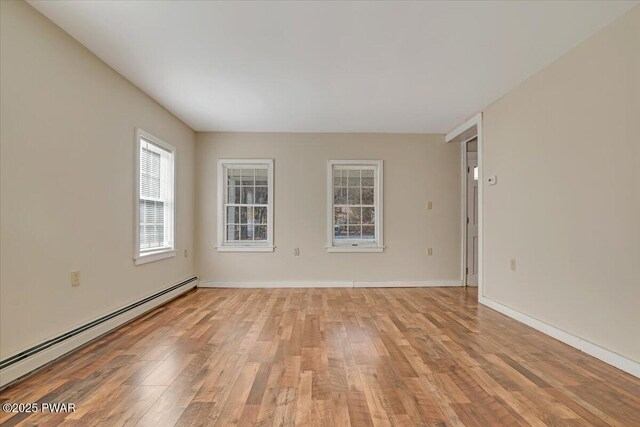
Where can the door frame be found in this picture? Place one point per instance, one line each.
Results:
(467, 131)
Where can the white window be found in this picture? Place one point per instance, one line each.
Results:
(245, 205)
(155, 196)
(354, 202)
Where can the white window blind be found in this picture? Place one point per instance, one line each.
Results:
(155, 196)
(245, 221)
(355, 202)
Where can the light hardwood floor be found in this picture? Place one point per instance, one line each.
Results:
(334, 357)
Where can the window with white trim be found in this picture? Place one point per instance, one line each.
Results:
(354, 202)
(155, 207)
(245, 205)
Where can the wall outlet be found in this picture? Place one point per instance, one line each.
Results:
(296, 251)
(429, 251)
(429, 204)
(186, 253)
(513, 264)
(75, 278)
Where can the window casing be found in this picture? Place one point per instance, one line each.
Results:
(155, 199)
(354, 202)
(245, 205)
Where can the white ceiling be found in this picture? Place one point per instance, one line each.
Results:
(329, 66)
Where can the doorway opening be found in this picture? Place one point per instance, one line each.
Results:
(471, 268)
(469, 137)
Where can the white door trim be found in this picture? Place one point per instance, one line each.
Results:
(463, 134)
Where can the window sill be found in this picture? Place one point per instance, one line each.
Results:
(347, 248)
(154, 256)
(245, 248)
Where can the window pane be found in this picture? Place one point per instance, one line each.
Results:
(149, 235)
(233, 195)
(260, 232)
(250, 215)
(246, 232)
(151, 224)
(337, 177)
(340, 232)
(149, 173)
(367, 196)
(355, 215)
(142, 236)
(368, 216)
(159, 212)
(147, 212)
(354, 196)
(261, 177)
(233, 177)
(340, 196)
(368, 232)
(354, 178)
(159, 241)
(355, 232)
(243, 215)
(248, 176)
(233, 214)
(260, 214)
(262, 195)
(340, 215)
(367, 178)
(233, 232)
(247, 195)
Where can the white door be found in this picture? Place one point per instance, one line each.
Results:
(472, 222)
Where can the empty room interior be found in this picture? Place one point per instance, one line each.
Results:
(320, 213)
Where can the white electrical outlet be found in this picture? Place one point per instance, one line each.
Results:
(296, 251)
(513, 264)
(429, 251)
(75, 278)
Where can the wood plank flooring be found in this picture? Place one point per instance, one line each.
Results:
(334, 357)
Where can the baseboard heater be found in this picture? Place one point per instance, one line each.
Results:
(57, 340)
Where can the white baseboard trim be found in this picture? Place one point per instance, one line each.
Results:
(594, 350)
(330, 284)
(408, 284)
(41, 358)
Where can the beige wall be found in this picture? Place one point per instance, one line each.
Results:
(565, 146)
(417, 168)
(67, 146)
